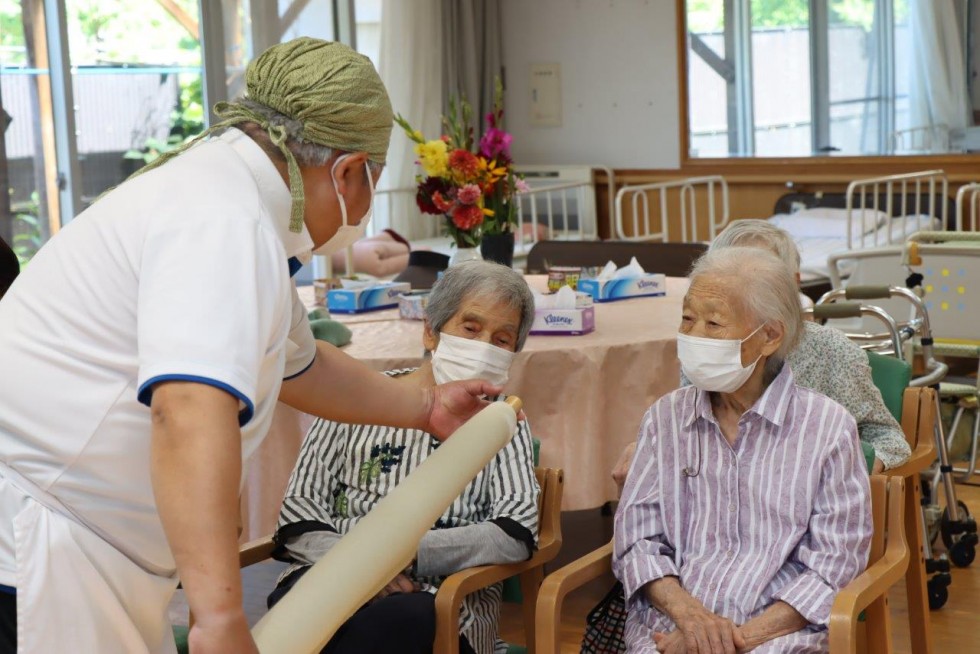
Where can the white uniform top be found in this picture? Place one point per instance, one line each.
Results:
(180, 274)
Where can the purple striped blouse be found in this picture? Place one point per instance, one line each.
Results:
(784, 514)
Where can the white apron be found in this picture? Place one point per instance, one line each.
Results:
(78, 593)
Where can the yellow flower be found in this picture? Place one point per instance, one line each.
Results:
(491, 170)
(433, 157)
(417, 136)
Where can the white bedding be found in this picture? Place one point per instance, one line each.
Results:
(815, 249)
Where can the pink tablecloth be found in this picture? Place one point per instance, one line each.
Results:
(584, 395)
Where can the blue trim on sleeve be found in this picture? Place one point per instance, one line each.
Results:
(145, 392)
(294, 266)
(8, 590)
(308, 366)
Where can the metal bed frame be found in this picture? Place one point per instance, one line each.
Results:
(639, 194)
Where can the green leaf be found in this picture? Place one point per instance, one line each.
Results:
(28, 219)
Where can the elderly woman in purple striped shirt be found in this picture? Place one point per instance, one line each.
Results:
(747, 505)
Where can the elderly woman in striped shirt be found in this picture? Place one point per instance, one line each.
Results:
(478, 316)
(747, 505)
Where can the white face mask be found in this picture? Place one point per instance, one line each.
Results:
(347, 234)
(459, 358)
(715, 364)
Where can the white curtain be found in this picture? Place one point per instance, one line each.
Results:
(411, 68)
(938, 93)
(473, 59)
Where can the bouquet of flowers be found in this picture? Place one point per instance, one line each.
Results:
(473, 187)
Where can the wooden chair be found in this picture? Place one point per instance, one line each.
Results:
(888, 561)
(918, 423)
(452, 591)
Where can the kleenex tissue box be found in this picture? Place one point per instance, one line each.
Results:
(570, 321)
(368, 298)
(626, 287)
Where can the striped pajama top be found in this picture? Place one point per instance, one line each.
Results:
(343, 470)
(784, 514)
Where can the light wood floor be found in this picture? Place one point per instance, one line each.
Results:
(955, 627)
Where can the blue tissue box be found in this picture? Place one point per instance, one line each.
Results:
(370, 298)
(651, 284)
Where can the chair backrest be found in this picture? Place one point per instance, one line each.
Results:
(671, 259)
(552, 484)
(869, 591)
(892, 377)
(919, 416)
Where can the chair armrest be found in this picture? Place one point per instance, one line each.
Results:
(922, 457)
(859, 594)
(255, 551)
(459, 585)
(451, 592)
(559, 584)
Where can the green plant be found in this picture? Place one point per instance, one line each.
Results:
(186, 121)
(28, 232)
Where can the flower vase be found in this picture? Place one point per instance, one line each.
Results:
(464, 253)
(498, 248)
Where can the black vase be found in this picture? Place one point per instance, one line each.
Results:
(498, 248)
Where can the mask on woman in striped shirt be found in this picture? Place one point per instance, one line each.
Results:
(457, 358)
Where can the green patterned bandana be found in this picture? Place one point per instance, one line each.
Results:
(334, 92)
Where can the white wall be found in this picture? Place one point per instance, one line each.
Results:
(618, 81)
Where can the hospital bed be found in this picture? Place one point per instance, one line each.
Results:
(686, 210)
(872, 213)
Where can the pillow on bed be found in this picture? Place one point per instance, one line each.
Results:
(824, 222)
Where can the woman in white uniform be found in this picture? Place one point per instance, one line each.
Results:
(144, 350)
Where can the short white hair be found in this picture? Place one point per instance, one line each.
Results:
(480, 279)
(760, 233)
(761, 285)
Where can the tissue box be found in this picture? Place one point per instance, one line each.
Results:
(620, 289)
(320, 289)
(563, 322)
(566, 322)
(411, 306)
(370, 298)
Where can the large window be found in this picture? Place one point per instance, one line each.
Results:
(91, 90)
(775, 78)
(134, 98)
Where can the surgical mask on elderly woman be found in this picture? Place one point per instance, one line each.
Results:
(457, 358)
(347, 234)
(715, 364)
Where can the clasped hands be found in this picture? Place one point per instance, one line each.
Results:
(699, 631)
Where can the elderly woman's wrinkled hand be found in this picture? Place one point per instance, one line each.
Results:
(699, 631)
(450, 405)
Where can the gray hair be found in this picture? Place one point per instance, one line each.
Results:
(759, 233)
(307, 153)
(761, 285)
(483, 279)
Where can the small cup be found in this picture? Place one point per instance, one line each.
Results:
(570, 273)
(556, 279)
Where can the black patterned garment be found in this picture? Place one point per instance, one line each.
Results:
(344, 470)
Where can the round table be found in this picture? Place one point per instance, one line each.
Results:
(584, 395)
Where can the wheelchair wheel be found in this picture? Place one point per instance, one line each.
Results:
(938, 593)
(962, 554)
(944, 525)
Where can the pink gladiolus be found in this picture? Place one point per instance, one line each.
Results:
(495, 144)
(521, 185)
